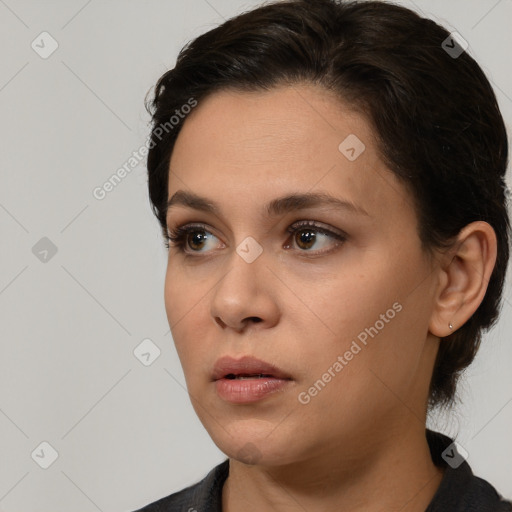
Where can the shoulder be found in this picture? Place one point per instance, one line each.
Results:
(460, 490)
(487, 494)
(476, 495)
(204, 496)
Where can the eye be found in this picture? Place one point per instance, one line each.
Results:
(308, 233)
(192, 238)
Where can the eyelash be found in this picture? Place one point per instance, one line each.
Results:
(177, 237)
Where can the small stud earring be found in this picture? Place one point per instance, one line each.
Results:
(450, 326)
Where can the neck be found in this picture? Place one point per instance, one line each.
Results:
(395, 473)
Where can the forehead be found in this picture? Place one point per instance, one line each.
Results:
(287, 122)
(243, 146)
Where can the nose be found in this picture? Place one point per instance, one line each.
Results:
(245, 295)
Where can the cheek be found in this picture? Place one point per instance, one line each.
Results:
(182, 296)
(179, 306)
(172, 296)
(185, 304)
(391, 331)
(350, 302)
(365, 317)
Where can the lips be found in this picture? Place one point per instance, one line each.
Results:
(246, 367)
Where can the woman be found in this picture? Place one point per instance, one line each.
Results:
(330, 179)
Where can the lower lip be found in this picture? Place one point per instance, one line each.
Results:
(243, 391)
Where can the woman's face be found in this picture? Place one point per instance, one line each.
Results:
(342, 306)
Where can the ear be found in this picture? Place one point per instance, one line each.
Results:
(463, 278)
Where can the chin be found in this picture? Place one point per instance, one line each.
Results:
(251, 445)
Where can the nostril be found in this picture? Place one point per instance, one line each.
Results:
(220, 322)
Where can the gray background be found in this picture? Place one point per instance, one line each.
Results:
(126, 433)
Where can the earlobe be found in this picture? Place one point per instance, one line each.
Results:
(464, 279)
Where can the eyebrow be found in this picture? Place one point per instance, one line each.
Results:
(278, 206)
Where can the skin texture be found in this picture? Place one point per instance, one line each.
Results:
(359, 443)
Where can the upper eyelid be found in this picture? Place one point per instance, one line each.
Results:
(297, 225)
